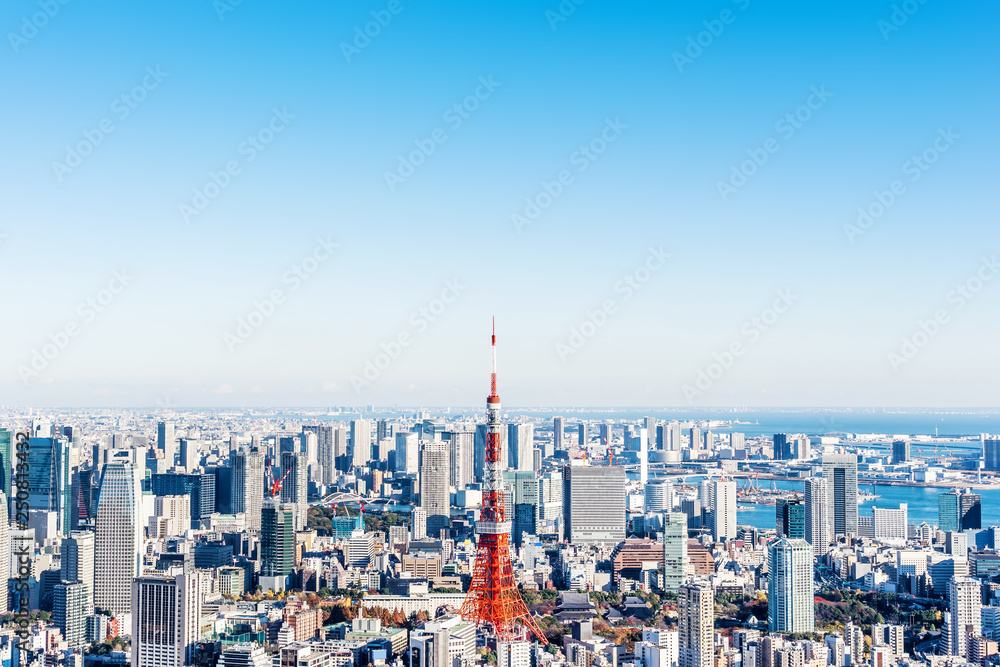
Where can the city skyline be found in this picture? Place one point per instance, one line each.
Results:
(224, 224)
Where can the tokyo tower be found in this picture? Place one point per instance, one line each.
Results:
(493, 599)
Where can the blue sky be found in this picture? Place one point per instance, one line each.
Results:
(554, 86)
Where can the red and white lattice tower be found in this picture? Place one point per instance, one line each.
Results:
(493, 599)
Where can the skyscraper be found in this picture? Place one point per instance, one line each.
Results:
(247, 491)
(781, 449)
(841, 474)
(959, 510)
(296, 485)
(435, 496)
(558, 432)
(407, 454)
(991, 454)
(166, 623)
(521, 444)
(964, 604)
(723, 503)
(6, 460)
(817, 515)
(460, 455)
(649, 423)
(696, 623)
(118, 535)
(4, 549)
(277, 543)
(586, 521)
(361, 443)
(675, 537)
(790, 515)
(78, 563)
(70, 608)
(582, 438)
(199, 486)
(165, 442)
(694, 438)
(643, 456)
(790, 586)
(900, 451)
(49, 486)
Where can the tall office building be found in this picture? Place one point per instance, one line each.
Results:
(723, 504)
(70, 609)
(585, 520)
(958, 510)
(605, 433)
(118, 534)
(900, 451)
(7, 447)
(407, 453)
(674, 437)
(49, 482)
(418, 524)
(790, 586)
(165, 442)
(460, 458)
(558, 433)
(782, 451)
(675, 558)
(650, 424)
(296, 485)
(247, 490)
(991, 453)
(817, 530)
(889, 524)
(166, 623)
(694, 438)
(277, 542)
(361, 443)
(964, 604)
(77, 559)
(381, 430)
(4, 550)
(696, 623)
(199, 486)
(521, 444)
(658, 494)
(841, 474)
(582, 437)
(643, 456)
(855, 643)
(790, 515)
(325, 458)
(435, 496)
(190, 457)
(514, 654)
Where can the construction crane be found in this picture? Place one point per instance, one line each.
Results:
(273, 486)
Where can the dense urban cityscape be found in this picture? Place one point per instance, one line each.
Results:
(256, 538)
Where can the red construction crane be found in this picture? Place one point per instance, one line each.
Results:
(273, 486)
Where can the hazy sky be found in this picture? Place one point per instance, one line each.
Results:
(713, 154)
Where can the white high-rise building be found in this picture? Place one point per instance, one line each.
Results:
(521, 444)
(118, 532)
(964, 604)
(361, 443)
(558, 432)
(514, 654)
(790, 586)
(245, 655)
(296, 485)
(889, 524)
(77, 558)
(460, 458)
(841, 474)
(4, 549)
(696, 623)
(817, 527)
(407, 454)
(855, 644)
(247, 491)
(723, 504)
(643, 456)
(435, 495)
(166, 621)
(418, 529)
